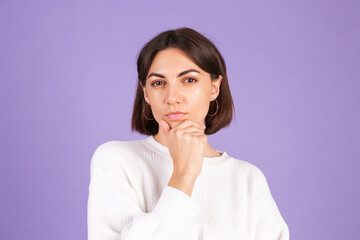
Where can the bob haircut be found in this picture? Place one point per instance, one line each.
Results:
(205, 55)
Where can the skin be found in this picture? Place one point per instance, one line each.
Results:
(172, 93)
(190, 93)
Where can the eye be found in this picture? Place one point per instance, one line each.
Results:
(156, 83)
(191, 80)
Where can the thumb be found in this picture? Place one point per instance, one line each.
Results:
(165, 127)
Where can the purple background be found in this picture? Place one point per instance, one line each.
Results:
(68, 78)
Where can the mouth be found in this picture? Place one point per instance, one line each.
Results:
(175, 116)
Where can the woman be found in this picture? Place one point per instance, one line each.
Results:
(173, 184)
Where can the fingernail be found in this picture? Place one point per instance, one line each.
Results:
(204, 126)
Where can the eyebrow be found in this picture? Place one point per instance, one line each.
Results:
(180, 74)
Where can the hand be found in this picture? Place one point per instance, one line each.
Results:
(186, 143)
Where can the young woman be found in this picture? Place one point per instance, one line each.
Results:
(173, 184)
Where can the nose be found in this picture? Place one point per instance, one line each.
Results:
(173, 95)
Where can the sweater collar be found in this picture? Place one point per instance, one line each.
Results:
(155, 145)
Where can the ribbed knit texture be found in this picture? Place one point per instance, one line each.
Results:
(129, 198)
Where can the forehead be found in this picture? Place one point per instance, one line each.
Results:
(172, 60)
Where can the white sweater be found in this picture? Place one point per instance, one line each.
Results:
(129, 198)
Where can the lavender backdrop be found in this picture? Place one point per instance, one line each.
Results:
(68, 78)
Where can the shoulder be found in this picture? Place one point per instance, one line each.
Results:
(256, 176)
(114, 152)
(247, 171)
(253, 175)
(112, 147)
(245, 166)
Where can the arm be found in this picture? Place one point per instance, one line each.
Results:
(114, 210)
(266, 222)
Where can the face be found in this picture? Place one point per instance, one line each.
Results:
(176, 84)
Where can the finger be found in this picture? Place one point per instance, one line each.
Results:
(187, 130)
(199, 135)
(165, 127)
(189, 122)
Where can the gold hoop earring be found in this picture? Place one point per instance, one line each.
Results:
(217, 108)
(144, 113)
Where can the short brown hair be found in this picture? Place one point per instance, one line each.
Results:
(204, 53)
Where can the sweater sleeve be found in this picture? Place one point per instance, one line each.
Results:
(266, 221)
(114, 209)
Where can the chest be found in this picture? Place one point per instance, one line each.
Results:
(225, 202)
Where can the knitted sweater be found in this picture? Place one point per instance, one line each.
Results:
(129, 198)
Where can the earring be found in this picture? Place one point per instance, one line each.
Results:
(144, 113)
(217, 108)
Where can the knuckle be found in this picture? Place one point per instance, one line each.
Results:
(178, 132)
(198, 139)
(188, 120)
(187, 136)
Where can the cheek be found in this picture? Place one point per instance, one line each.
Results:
(155, 108)
(200, 101)
(153, 97)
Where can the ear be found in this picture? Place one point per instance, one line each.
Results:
(145, 93)
(215, 87)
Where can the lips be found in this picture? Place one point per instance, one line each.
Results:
(175, 115)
